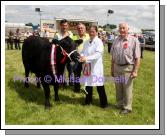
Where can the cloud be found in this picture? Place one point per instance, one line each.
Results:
(142, 16)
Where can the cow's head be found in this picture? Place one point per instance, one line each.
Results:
(69, 46)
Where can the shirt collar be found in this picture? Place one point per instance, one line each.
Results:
(95, 38)
(84, 36)
(125, 38)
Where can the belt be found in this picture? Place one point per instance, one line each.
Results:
(124, 64)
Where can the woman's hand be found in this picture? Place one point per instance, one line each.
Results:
(82, 59)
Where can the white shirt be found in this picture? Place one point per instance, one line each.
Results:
(27, 34)
(46, 34)
(59, 35)
(94, 53)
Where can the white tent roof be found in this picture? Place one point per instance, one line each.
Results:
(14, 24)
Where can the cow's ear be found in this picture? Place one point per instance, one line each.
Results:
(78, 42)
(55, 41)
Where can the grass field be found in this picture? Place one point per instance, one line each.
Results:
(26, 106)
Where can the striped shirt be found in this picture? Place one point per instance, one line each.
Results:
(125, 50)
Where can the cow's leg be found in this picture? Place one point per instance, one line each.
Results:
(56, 88)
(38, 80)
(26, 78)
(47, 94)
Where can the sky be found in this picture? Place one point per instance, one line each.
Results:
(140, 16)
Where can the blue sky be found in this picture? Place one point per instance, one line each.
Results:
(141, 16)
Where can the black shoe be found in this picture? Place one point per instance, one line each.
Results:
(104, 106)
(77, 90)
(125, 111)
(86, 104)
(71, 84)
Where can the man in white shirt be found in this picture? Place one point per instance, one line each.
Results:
(46, 34)
(27, 34)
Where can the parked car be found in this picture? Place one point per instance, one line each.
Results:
(149, 42)
(149, 37)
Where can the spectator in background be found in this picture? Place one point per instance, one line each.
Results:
(10, 40)
(45, 34)
(142, 44)
(36, 33)
(17, 39)
(110, 38)
(102, 36)
(27, 34)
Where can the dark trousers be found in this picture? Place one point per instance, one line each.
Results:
(77, 75)
(142, 49)
(17, 44)
(102, 95)
(10, 43)
(70, 73)
(109, 47)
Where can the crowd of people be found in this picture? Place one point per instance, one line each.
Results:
(14, 39)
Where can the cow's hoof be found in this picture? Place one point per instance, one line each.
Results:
(47, 104)
(47, 107)
(57, 99)
(26, 85)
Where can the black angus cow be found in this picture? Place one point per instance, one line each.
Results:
(36, 56)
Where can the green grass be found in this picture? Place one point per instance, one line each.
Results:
(26, 106)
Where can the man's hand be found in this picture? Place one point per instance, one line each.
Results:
(136, 68)
(133, 74)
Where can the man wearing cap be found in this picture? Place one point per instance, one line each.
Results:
(125, 62)
(81, 28)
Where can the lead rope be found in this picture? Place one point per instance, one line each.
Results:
(66, 54)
